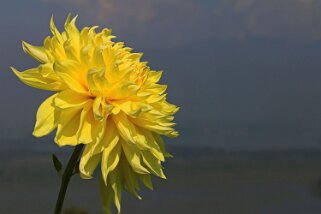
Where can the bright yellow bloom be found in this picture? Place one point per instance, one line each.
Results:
(107, 99)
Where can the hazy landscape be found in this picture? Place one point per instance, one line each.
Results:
(200, 180)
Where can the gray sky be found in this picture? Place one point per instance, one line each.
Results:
(246, 73)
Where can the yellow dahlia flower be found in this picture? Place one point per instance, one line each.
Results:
(107, 99)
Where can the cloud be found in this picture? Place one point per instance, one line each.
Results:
(274, 19)
(174, 22)
(122, 11)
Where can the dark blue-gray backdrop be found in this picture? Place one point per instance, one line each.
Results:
(246, 73)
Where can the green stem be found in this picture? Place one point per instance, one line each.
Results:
(66, 177)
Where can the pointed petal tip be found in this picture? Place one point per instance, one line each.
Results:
(16, 72)
(105, 178)
(173, 134)
(163, 177)
(52, 22)
(73, 21)
(37, 52)
(24, 45)
(13, 69)
(67, 22)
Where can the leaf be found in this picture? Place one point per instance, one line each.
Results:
(57, 163)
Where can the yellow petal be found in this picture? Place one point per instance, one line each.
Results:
(71, 28)
(46, 70)
(122, 90)
(115, 181)
(146, 180)
(152, 143)
(86, 54)
(72, 45)
(70, 99)
(67, 22)
(73, 74)
(33, 78)
(37, 52)
(110, 137)
(161, 145)
(46, 118)
(133, 157)
(98, 109)
(55, 31)
(106, 196)
(153, 164)
(90, 130)
(88, 162)
(152, 125)
(131, 108)
(110, 159)
(109, 58)
(157, 89)
(86, 120)
(104, 36)
(68, 125)
(154, 76)
(128, 131)
(96, 82)
(131, 178)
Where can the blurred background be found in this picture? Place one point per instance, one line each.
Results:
(246, 74)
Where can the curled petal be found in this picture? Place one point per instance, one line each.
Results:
(33, 78)
(96, 82)
(46, 70)
(98, 109)
(37, 52)
(73, 74)
(131, 108)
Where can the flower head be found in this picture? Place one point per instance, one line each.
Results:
(107, 99)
